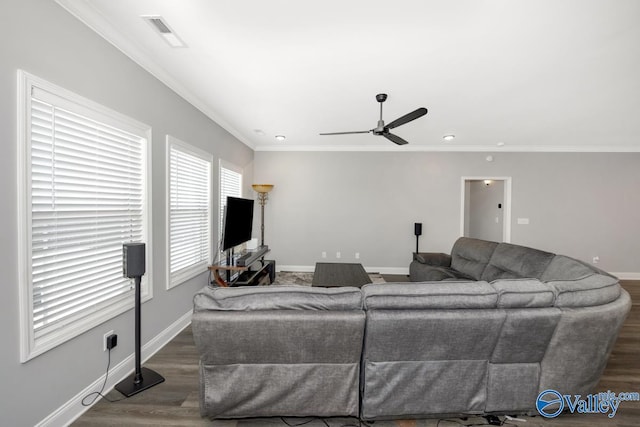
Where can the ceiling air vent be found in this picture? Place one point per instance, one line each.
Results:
(160, 25)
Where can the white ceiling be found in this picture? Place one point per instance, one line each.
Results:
(536, 75)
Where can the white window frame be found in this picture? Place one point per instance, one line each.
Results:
(180, 276)
(223, 164)
(30, 346)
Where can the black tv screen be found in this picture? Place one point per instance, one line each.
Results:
(238, 222)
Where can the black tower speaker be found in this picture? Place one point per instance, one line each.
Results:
(417, 230)
(133, 267)
(133, 263)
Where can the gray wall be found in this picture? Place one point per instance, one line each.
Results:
(45, 40)
(578, 204)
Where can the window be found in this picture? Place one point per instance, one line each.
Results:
(82, 193)
(230, 185)
(189, 211)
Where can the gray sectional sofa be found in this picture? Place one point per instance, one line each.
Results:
(493, 326)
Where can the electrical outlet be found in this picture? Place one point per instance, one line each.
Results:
(596, 259)
(338, 255)
(324, 254)
(112, 341)
(104, 340)
(357, 255)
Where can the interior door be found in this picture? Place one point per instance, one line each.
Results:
(485, 210)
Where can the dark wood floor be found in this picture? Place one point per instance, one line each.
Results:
(175, 402)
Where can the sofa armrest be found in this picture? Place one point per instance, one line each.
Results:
(437, 259)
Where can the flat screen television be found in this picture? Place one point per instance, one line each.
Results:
(238, 222)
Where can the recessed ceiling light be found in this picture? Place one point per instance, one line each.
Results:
(159, 24)
(449, 137)
(281, 137)
(500, 144)
(259, 132)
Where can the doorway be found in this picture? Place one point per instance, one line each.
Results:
(486, 208)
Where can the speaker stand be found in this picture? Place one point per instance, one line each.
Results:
(142, 378)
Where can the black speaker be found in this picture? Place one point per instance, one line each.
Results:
(133, 263)
(417, 229)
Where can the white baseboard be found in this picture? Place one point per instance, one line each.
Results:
(73, 409)
(627, 276)
(311, 268)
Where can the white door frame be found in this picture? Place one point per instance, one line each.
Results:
(506, 225)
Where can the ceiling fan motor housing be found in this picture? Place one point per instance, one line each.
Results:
(380, 129)
(381, 97)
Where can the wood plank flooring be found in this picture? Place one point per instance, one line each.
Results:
(175, 402)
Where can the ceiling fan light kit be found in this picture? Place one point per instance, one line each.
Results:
(383, 130)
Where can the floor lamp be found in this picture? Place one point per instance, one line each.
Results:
(263, 196)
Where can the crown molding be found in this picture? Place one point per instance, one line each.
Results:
(96, 21)
(452, 148)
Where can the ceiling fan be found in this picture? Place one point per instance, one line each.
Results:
(383, 130)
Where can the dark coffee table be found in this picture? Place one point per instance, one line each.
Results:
(330, 274)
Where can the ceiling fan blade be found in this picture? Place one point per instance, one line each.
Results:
(395, 139)
(407, 118)
(346, 133)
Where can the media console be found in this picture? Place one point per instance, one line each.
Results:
(252, 269)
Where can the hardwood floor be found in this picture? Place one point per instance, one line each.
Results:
(175, 402)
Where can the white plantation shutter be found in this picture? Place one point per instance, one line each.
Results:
(85, 197)
(189, 211)
(230, 185)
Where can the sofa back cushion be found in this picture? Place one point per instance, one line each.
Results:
(278, 297)
(513, 262)
(471, 256)
(429, 295)
(578, 284)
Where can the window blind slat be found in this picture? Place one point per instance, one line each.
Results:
(87, 196)
(189, 195)
(230, 186)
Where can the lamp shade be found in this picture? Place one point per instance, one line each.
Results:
(262, 188)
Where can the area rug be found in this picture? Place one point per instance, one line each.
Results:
(305, 279)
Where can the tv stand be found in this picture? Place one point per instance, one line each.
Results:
(253, 270)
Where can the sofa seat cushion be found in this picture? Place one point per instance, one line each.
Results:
(429, 295)
(513, 262)
(420, 272)
(523, 293)
(470, 256)
(278, 297)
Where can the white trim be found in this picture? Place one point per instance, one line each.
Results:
(194, 270)
(405, 270)
(627, 276)
(386, 146)
(73, 409)
(311, 269)
(506, 226)
(27, 83)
